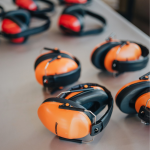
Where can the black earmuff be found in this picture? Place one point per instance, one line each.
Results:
(56, 69)
(19, 21)
(32, 7)
(71, 21)
(120, 56)
(134, 98)
(73, 2)
(89, 99)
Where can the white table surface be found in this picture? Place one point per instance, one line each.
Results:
(21, 95)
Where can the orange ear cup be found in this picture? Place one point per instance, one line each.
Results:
(64, 123)
(56, 67)
(128, 52)
(111, 40)
(141, 101)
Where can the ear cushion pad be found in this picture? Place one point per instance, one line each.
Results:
(100, 53)
(64, 123)
(127, 97)
(92, 100)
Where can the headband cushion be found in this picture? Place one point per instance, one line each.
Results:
(64, 123)
(94, 101)
(56, 67)
(99, 54)
(27, 4)
(128, 94)
(128, 52)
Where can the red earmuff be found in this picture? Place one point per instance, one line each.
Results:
(26, 4)
(15, 25)
(71, 21)
(11, 27)
(32, 7)
(134, 97)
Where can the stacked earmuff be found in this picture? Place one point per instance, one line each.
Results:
(71, 21)
(134, 97)
(118, 56)
(33, 8)
(15, 25)
(70, 115)
(56, 69)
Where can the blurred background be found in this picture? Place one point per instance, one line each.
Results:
(136, 11)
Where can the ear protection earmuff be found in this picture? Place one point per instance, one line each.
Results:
(56, 69)
(74, 2)
(32, 7)
(70, 115)
(120, 56)
(15, 25)
(71, 21)
(134, 98)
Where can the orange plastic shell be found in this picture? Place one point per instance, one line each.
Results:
(141, 101)
(58, 66)
(97, 46)
(129, 52)
(64, 123)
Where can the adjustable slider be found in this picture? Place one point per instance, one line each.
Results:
(67, 106)
(55, 50)
(114, 64)
(145, 76)
(96, 128)
(48, 81)
(144, 114)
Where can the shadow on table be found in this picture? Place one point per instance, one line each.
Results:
(57, 144)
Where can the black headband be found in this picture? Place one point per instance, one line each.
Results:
(31, 31)
(95, 31)
(126, 66)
